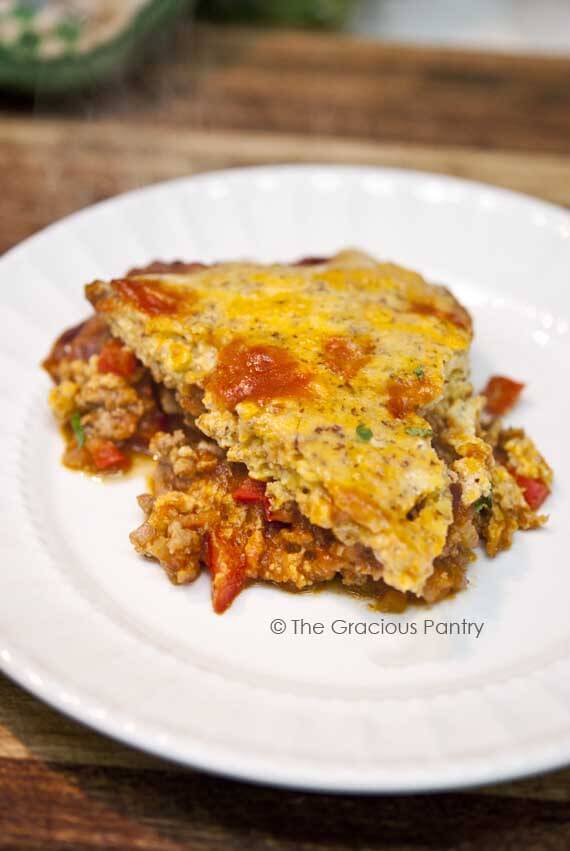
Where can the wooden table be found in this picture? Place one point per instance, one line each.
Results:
(217, 98)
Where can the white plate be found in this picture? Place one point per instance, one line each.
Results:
(100, 634)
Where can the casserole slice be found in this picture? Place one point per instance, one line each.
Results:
(308, 421)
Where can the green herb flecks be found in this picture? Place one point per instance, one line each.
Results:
(364, 433)
(419, 371)
(484, 503)
(416, 431)
(78, 429)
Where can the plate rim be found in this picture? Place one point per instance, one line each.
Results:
(22, 672)
(455, 780)
(245, 171)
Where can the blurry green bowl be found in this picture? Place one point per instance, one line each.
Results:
(326, 14)
(69, 56)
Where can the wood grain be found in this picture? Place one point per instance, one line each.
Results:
(291, 82)
(48, 178)
(65, 787)
(214, 98)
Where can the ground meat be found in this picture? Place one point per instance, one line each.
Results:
(508, 513)
(519, 454)
(449, 575)
(110, 408)
(514, 455)
(194, 486)
(502, 508)
(105, 415)
(195, 518)
(178, 461)
(193, 501)
(106, 405)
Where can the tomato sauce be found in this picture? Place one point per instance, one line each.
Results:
(77, 343)
(256, 373)
(457, 317)
(406, 395)
(346, 357)
(501, 394)
(152, 297)
(116, 358)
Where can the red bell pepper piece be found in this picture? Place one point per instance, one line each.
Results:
(106, 455)
(501, 394)
(534, 491)
(253, 491)
(250, 490)
(115, 358)
(227, 568)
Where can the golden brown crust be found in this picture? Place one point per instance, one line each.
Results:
(350, 447)
(347, 447)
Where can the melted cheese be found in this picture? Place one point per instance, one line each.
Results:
(333, 439)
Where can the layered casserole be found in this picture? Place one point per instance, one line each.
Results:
(308, 422)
